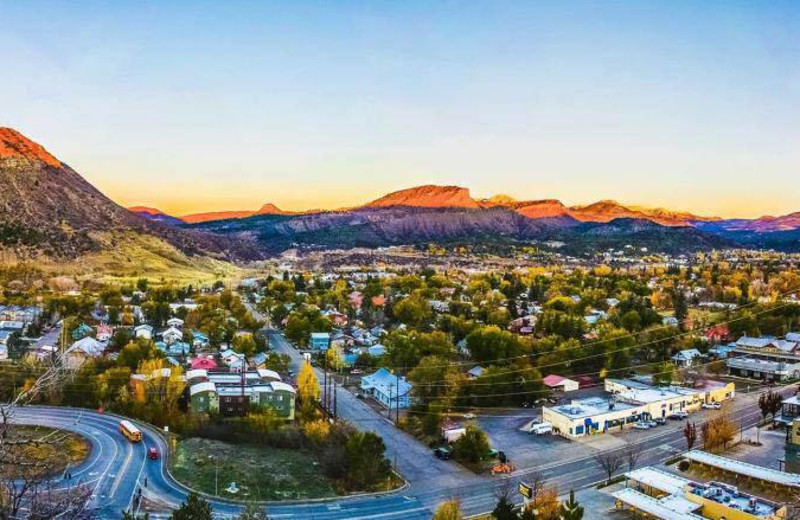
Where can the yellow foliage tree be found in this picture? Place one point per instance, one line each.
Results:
(317, 431)
(334, 358)
(449, 510)
(307, 384)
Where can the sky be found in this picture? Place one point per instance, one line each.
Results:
(201, 106)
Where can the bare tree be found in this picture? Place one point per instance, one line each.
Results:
(690, 434)
(611, 461)
(25, 481)
(632, 452)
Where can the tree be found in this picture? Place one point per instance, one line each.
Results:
(307, 384)
(690, 434)
(632, 453)
(770, 403)
(472, 446)
(367, 467)
(488, 344)
(610, 462)
(571, 509)
(717, 432)
(334, 358)
(504, 509)
(193, 508)
(449, 510)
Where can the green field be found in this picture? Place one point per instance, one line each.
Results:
(260, 472)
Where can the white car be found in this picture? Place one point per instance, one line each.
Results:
(641, 426)
(712, 406)
(469, 415)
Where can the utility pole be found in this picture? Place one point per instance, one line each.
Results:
(397, 407)
(334, 401)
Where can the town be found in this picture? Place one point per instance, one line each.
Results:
(484, 373)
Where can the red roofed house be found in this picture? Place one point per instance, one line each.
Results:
(204, 362)
(560, 383)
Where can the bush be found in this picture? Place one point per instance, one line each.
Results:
(683, 465)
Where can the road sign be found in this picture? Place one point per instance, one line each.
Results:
(525, 490)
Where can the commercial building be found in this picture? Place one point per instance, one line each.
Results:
(658, 494)
(629, 402)
(766, 358)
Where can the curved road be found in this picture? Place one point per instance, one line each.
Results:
(116, 469)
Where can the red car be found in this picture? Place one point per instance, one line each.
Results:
(152, 454)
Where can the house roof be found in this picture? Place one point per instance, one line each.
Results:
(553, 380)
(687, 355)
(387, 383)
(205, 386)
(89, 346)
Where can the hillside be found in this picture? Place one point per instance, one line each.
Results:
(47, 209)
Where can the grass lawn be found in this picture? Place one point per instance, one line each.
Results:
(260, 472)
(55, 450)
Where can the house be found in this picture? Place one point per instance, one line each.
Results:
(199, 340)
(475, 372)
(5, 336)
(144, 331)
(81, 351)
(172, 335)
(687, 358)
(388, 389)
(3, 353)
(81, 331)
(233, 360)
(721, 351)
(104, 333)
(175, 322)
(355, 299)
(376, 350)
(560, 383)
(203, 362)
(319, 341)
(452, 431)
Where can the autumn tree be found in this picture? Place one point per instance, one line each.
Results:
(717, 432)
(449, 510)
(307, 384)
(473, 446)
(610, 462)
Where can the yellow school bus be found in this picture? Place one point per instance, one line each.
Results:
(130, 431)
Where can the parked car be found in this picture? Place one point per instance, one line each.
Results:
(660, 420)
(679, 416)
(641, 425)
(469, 415)
(712, 406)
(152, 454)
(651, 424)
(443, 453)
(541, 428)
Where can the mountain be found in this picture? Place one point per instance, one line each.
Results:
(608, 210)
(47, 208)
(765, 224)
(428, 196)
(156, 215)
(266, 209)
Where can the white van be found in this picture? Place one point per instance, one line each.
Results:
(541, 428)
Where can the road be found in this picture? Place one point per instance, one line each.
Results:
(116, 469)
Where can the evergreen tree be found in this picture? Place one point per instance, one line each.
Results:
(571, 509)
(194, 508)
(504, 510)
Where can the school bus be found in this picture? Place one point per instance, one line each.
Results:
(130, 431)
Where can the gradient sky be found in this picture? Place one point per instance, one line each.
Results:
(197, 106)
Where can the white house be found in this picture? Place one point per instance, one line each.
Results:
(83, 350)
(172, 335)
(688, 357)
(175, 322)
(143, 331)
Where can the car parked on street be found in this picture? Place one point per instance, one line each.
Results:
(712, 406)
(642, 425)
(443, 453)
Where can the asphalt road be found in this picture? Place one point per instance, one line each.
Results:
(116, 468)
